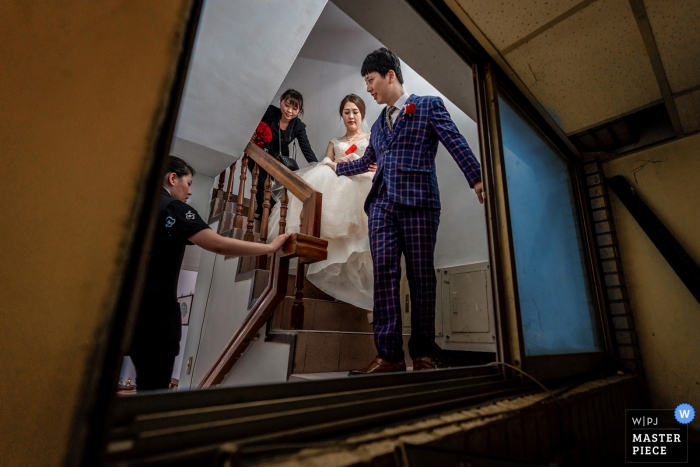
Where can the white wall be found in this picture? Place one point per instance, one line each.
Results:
(242, 51)
(327, 69)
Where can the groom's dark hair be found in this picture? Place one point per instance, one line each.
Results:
(381, 61)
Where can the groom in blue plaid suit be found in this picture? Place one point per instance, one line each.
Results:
(404, 208)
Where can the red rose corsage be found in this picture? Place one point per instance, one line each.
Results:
(262, 135)
(410, 109)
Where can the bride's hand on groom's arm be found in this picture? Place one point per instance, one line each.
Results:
(338, 161)
(372, 168)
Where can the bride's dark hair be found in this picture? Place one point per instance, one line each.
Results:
(355, 99)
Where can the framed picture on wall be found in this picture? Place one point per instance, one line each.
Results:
(185, 307)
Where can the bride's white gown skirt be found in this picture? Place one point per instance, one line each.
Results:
(347, 273)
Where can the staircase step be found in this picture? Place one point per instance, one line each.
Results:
(322, 376)
(322, 315)
(324, 352)
(318, 376)
(310, 290)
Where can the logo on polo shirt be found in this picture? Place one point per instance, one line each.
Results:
(189, 215)
(169, 222)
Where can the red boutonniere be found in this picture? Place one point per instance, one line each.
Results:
(410, 109)
(262, 135)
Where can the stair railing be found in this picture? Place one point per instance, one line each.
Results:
(307, 246)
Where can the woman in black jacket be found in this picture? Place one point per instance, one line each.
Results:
(286, 127)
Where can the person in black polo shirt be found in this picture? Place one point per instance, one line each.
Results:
(156, 340)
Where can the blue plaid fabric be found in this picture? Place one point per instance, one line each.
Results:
(396, 229)
(404, 212)
(405, 155)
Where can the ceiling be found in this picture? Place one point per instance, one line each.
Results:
(590, 62)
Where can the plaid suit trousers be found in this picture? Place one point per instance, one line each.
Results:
(396, 229)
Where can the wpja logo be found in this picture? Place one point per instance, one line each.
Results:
(661, 435)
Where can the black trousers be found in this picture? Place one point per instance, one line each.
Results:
(153, 369)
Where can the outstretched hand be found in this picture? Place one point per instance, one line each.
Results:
(478, 189)
(278, 242)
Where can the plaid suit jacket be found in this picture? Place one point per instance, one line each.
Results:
(405, 157)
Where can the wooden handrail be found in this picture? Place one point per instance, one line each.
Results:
(311, 199)
(306, 245)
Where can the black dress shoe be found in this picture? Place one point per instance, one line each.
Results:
(423, 363)
(379, 365)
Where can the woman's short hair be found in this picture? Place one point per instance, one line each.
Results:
(355, 99)
(295, 98)
(381, 61)
(179, 167)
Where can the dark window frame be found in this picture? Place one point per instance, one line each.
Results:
(90, 425)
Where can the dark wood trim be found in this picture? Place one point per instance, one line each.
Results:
(98, 390)
(490, 212)
(511, 309)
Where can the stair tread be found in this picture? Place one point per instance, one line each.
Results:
(322, 376)
(323, 315)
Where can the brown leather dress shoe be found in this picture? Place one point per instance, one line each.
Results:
(379, 365)
(423, 363)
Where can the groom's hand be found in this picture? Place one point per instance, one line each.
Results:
(478, 187)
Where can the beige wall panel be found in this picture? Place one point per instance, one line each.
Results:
(666, 314)
(588, 68)
(82, 87)
(688, 106)
(676, 27)
(505, 22)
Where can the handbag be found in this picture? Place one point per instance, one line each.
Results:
(287, 161)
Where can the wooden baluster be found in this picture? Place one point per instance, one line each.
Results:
(249, 234)
(262, 260)
(266, 209)
(297, 319)
(227, 216)
(217, 198)
(238, 220)
(298, 305)
(218, 192)
(229, 188)
(284, 202)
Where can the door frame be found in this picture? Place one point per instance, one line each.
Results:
(489, 79)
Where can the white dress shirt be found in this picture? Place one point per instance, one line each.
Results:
(400, 102)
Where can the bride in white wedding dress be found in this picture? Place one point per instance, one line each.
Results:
(347, 273)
